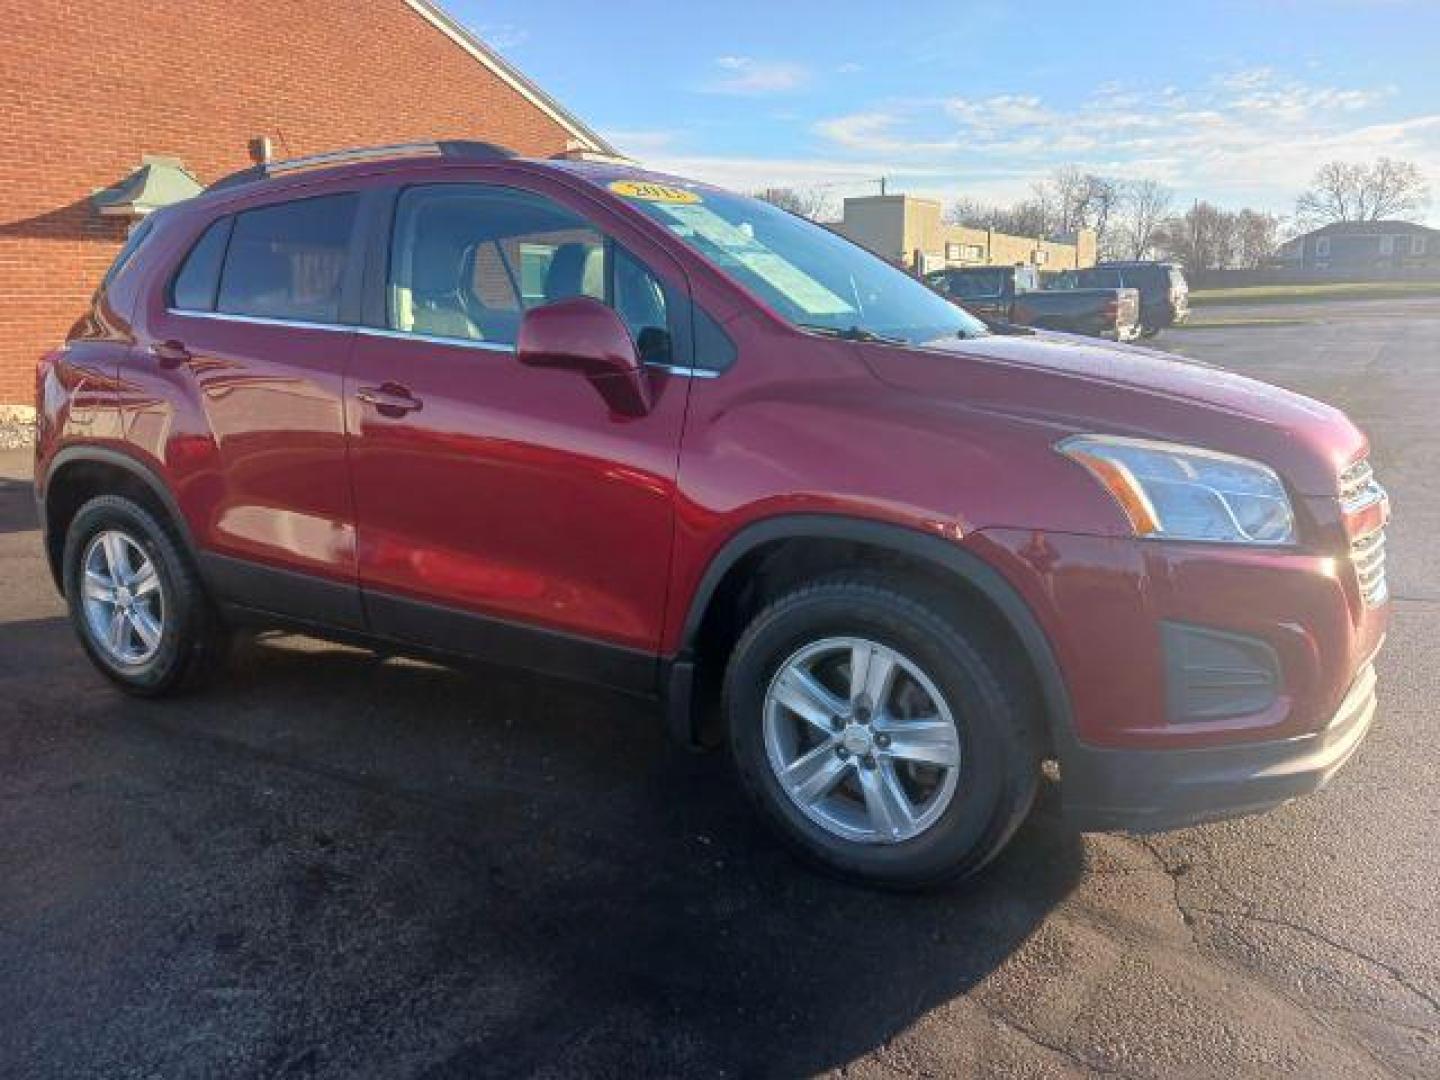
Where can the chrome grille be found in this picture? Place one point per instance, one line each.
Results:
(1367, 553)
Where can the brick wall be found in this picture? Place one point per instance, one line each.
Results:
(88, 86)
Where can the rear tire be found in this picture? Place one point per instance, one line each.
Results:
(871, 798)
(136, 600)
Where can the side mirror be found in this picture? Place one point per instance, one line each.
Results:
(582, 334)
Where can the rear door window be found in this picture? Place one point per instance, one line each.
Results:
(1101, 278)
(287, 261)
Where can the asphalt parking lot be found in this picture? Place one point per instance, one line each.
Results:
(334, 865)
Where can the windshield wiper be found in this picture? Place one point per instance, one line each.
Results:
(853, 333)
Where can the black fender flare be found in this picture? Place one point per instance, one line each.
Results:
(102, 455)
(969, 567)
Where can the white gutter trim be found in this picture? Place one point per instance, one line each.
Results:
(438, 18)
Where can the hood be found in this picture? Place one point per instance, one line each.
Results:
(1073, 385)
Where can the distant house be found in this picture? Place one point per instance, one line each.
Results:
(1364, 245)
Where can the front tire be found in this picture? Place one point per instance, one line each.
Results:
(136, 601)
(882, 735)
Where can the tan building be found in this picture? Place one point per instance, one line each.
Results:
(912, 231)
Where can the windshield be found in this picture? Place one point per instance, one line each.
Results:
(809, 276)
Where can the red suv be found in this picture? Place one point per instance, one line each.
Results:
(625, 428)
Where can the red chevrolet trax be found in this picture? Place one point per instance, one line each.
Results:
(629, 429)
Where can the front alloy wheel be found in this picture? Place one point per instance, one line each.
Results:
(882, 729)
(861, 740)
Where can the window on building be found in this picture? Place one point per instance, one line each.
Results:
(1387, 245)
(952, 252)
(198, 281)
(468, 260)
(1417, 244)
(1040, 258)
(288, 261)
(1322, 247)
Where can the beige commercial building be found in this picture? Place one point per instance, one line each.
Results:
(912, 232)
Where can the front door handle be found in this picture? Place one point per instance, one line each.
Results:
(390, 399)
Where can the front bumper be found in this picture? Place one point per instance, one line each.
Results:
(1151, 790)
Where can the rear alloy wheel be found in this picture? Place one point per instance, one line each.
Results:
(883, 735)
(124, 600)
(136, 600)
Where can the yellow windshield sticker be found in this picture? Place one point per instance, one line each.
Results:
(650, 192)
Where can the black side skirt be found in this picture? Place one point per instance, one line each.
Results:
(265, 595)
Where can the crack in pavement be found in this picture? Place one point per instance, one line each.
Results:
(1248, 914)
(1189, 915)
(1059, 1049)
(1300, 928)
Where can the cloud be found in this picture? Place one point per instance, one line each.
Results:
(638, 143)
(874, 132)
(503, 36)
(847, 176)
(747, 76)
(1251, 134)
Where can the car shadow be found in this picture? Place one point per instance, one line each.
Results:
(17, 506)
(368, 856)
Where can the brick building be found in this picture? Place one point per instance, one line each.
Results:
(91, 91)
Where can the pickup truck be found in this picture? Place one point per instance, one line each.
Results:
(1010, 294)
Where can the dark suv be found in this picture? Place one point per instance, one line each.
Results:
(1164, 293)
(624, 428)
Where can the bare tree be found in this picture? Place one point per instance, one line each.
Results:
(1104, 197)
(1147, 204)
(1206, 237)
(971, 213)
(813, 203)
(1256, 233)
(1346, 191)
(1025, 218)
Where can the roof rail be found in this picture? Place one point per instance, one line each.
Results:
(446, 149)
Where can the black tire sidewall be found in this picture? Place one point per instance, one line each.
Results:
(165, 669)
(992, 775)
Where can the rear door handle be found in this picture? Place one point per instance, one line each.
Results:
(390, 399)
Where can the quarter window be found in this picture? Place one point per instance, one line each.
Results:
(288, 261)
(467, 261)
(199, 278)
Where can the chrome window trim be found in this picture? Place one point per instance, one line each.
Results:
(434, 339)
(405, 335)
(258, 320)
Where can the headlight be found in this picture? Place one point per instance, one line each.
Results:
(1186, 493)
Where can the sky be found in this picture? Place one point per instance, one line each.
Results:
(1237, 103)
